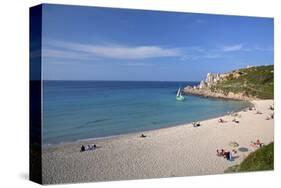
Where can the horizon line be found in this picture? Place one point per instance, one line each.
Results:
(127, 80)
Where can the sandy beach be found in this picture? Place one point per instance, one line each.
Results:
(176, 151)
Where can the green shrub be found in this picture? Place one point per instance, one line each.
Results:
(261, 159)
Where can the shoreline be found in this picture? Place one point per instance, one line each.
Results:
(181, 150)
(145, 131)
(207, 93)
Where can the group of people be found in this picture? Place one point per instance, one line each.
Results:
(269, 117)
(88, 147)
(224, 121)
(228, 155)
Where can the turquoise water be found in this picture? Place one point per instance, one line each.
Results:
(74, 110)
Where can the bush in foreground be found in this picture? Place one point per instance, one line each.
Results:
(261, 159)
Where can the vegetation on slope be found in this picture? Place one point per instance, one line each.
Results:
(251, 82)
(261, 159)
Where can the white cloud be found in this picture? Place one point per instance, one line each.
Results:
(80, 51)
(65, 54)
(113, 51)
(243, 47)
(232, 48)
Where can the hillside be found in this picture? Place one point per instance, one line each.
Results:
(244, 84)
(256, 82)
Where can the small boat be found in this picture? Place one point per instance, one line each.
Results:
(179, 97)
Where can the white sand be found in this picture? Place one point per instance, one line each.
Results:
(176, 151)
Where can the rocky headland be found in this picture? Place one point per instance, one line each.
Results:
(250, 83)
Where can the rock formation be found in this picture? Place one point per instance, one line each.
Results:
(204, 88)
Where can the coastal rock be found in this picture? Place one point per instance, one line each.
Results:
(205, 88)
(212, 79)
(208, 93)
(202, 84)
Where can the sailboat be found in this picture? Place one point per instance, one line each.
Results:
(179, 97)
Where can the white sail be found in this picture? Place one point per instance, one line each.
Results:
(179, 92)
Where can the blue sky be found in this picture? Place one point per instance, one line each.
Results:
(90, 43)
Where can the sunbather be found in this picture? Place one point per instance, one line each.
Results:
(235, 120)
(143, 136)
(83, 148)
(257, 143)
(221, 153)
(269, 117)
(258, 112)
(221, 121)
(196, 124)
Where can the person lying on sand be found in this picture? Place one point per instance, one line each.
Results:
(221, 121)
(257, 144)
(235, 120)
(92, 147)
(258, 112)
(143, 136)
(269, 117)
(252, 108)
(220, 153)
(88, 148)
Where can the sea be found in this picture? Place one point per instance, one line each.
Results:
(80, 110)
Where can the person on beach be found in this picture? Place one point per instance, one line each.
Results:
(229, 156)
(235, 120)
(92, 147)
(258, 112)
(218, 153)
(257, 143)
(89, 147)
(269, 117)
(196, 124)
(83, 148)
(221, 121)
(143, 136)
(234, 153)
(252, 108)
(221, 153)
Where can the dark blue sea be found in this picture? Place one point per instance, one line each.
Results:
(77, 110)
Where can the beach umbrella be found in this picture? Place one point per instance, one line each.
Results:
(233, 144)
